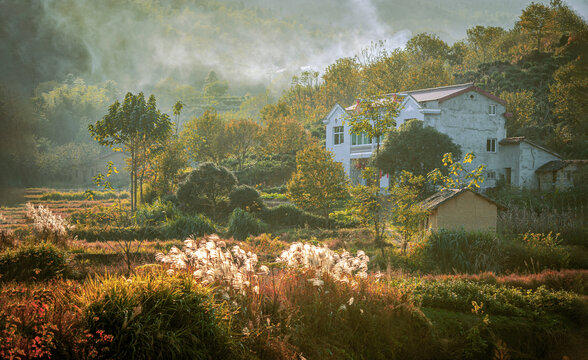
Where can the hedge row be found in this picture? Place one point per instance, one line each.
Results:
(177, 228)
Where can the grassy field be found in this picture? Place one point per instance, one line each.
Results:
(314, 302)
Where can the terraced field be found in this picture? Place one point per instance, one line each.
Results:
(13, 216)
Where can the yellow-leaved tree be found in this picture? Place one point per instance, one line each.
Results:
(319, 182)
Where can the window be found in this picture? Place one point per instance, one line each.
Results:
(491, 109)
(338, 135)
(491, 145)
(491, 175)
(360, 139)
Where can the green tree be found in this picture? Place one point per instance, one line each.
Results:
(569, 94)
(414, 148)
(537, 19)
(242, 138)
(168, 164)
(427, 46)
(206, 138)
(483, 40)
(136, 125)
(177, 109)
(209, 182)
(282, 136)
(521, 105)
(373, 117)
(214, 88)
(342, 81)
(319, 182)
(458, 175)
(406, 211)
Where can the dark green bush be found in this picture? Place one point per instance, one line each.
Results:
(33, 262)
(458, 294)
(154, 317)
(96, 195)
(205, 187)
(272, 170)
(275, 189)
(290, 215)
(183, 226)
(107, 233)
(242, 224)
(155, 214)
(530, 253)
(245, 197)
(465, 252)
(179, 227)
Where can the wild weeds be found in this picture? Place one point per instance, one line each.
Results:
(519, 220)
(46, 225)
(324, 261)
(212, 262)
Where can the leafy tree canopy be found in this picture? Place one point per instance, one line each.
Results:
(319, 182)
(415, 148)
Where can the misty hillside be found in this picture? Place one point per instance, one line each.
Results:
(139, 42)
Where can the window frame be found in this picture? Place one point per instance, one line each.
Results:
(338, 135)
(491, 145)
(360, 139)
(492, 110)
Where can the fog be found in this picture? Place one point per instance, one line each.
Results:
(252, 44)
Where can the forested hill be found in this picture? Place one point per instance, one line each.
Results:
(65, 61)
(140, 42)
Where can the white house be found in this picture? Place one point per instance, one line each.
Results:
(472, 117)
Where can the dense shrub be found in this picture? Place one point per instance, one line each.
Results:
(101, 215)
(108, 233)
(183, 226)
(245, 197)
(32, 262)
(242, 224)
(274, 170)
(153, 317)
(155, 214)
(568, 280)
(205, 187)
(458, 294)
(290, 215)
(7, 238)
(458, 251)
(275, 189)
(534, 252)
(179, 227)
(73, 196)
(344, 218)
(41, 320)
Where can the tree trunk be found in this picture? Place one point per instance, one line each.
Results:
(132, 177)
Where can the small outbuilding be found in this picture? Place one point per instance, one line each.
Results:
(461, 208)
(558, 174)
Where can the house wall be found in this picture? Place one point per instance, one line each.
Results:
(468, 211)
(563, 179)
(530, 159)
(510, 157)
(466, 120)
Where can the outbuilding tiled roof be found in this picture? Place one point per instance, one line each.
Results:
(519, 139)
(559, 164)
(437, 199)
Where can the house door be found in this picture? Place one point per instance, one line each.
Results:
(508, 176)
